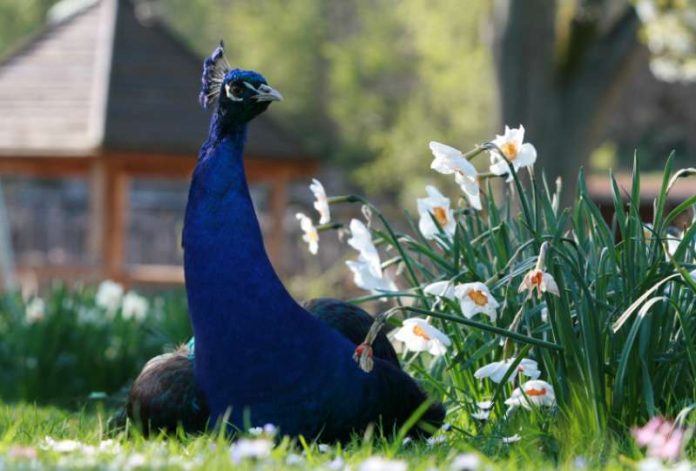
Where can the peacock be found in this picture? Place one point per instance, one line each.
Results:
(260, 357)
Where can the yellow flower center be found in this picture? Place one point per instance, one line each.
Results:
(419, 332)
(440, 215)
(313, 236)
(535, 392)
(510, 150)
(479, 297)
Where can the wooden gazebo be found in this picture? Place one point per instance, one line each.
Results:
(105, 95)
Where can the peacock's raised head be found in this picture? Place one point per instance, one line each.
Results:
(240, 94)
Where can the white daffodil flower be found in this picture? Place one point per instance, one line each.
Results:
(443, 289)
(419, 336)
(536, 393)
(449, 160)
(540, 281)
(35, 310)
(496, 371)
(367, 269)
(435, 206)
(475, 298)
(311, 236)
(519, 153)
(321, 202)
(481, 415)
(109, 295)
(134, 306)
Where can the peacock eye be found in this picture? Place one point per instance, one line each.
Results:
(235, 91)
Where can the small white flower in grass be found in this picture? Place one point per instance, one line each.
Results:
(245, 448)
(536, 393)
(419, 336)
(449, 160)
(268, 429)
(61, 446)
(496, 370)
(336, 463)
(436, 440)
(109, 295)
(321, 202)
(481, 415)
(311, 236)
(476, 298)
(519, 153)
(465, 462)
(377, 463)
(294, 460)
(435, 207)
(35, 310)
(512, 439)
(324, 448)
(134, 306)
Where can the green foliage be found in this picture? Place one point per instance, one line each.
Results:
(75, 347)
(617, 343)
(19, 18)
(365, 82)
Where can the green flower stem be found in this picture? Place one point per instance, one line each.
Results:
(392, 234)
(486, 327)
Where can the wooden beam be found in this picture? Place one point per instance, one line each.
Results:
(46, 167)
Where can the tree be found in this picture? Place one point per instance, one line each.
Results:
(561, 63)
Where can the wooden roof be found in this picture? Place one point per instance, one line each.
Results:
(99, 79)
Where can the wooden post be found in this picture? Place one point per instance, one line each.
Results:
(277, 203)
(115, 213)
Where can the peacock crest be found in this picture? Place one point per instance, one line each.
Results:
(214, 69)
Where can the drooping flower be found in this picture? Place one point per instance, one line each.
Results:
(367, 269)
(321, 203)
(437, 207)
(449, 160)
(475, 298)
(419, 336)
(245, 448)
(378, 463)
(536, 393)
(519, 153)
(540, 281)
(496, 371)
(537, 279)
(109, 295)
(35, 310)
(442, 289)
(311, 236)
(134, 306)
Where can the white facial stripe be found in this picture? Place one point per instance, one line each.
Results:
(230, 95)
(251, 87)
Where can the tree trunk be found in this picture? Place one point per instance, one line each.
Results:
(561, 93)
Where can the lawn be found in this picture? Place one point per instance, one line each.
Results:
(50, 438)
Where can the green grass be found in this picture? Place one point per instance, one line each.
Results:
(24, 430)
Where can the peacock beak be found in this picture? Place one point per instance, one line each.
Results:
(267, 93)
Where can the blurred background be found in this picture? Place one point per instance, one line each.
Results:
(99, 128)
(100, 125)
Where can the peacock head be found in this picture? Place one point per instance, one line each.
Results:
(240, 95)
